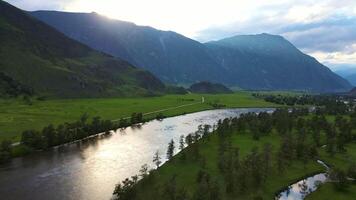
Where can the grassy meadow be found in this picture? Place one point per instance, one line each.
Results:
(186, 171)
(327, 192)
(17, 116)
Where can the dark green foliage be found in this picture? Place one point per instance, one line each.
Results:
(339, 179)
(157, 159)
(238, 175)
(136, 118)
(160, 116)
(11, 88)
(126, 190)
(207, 188)
(52, 136)
(170, 150)
(5, 151)
(205, 87)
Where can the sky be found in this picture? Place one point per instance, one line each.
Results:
(325, 29)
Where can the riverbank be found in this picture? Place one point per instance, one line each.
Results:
(328, 192)
(186, 171)
(17, 116)
(89, 169)
(230, 163)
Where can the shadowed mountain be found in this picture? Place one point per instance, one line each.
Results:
(266, 61)
(249, 62)
(37, 56)
(351, 78)
(353, 92)
(209, 88)
(170, 56)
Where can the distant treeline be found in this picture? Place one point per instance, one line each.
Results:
(52, 135)
(330, 104)
(302, 132)
(12, 88)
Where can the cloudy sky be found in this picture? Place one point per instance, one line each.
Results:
(325, 29)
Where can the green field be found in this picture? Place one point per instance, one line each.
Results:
(327, 192)
(186, 171)
(16, 115)
(342, 161)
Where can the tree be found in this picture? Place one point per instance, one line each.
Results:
(170, 150)
(206, 129)
(266, 160)
(189, 139)
(6, 145)
(126, 190)
(157, 159)
(49, 133)
(181, 147)
(339, 179)
(181, 142)
(144, 171)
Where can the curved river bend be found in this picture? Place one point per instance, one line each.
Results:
(90, 169)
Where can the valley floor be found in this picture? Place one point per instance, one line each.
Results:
(17, 116)
(186, 171)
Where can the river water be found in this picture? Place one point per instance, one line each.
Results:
(300, 189)
(90, 169)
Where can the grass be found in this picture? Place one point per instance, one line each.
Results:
(340, 160)
(16, 116)
(327, 192)
(186, 171)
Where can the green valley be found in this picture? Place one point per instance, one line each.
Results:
(17, 116)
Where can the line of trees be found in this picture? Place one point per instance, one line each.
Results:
(301, 132)
(52, 135)
(326, 104)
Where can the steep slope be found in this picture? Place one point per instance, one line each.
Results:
(170, 56)
(41, 58)
(353, 92)
(209, 88)
(351, 78)
(270, 62)
(249, 62)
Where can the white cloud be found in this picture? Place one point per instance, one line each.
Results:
(308, 13)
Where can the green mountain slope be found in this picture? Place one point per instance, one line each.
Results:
(39, 57)
(209, 88)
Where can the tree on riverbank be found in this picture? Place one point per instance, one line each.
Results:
(281, 141)
(170, 150)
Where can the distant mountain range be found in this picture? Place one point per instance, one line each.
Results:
(348, 73)
(205, 87)
(257, 62)
(351, 78)
(35, 57)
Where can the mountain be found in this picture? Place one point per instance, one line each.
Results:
(209, 88)
(353, 92)
(348, 72)
(36, 56)
(267, 61)
(351, 78)
(250, 62)
(170, 56)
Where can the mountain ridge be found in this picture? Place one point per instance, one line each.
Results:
(38, 56)
(177, 59)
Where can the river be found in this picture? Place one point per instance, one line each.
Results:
(89, 169)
